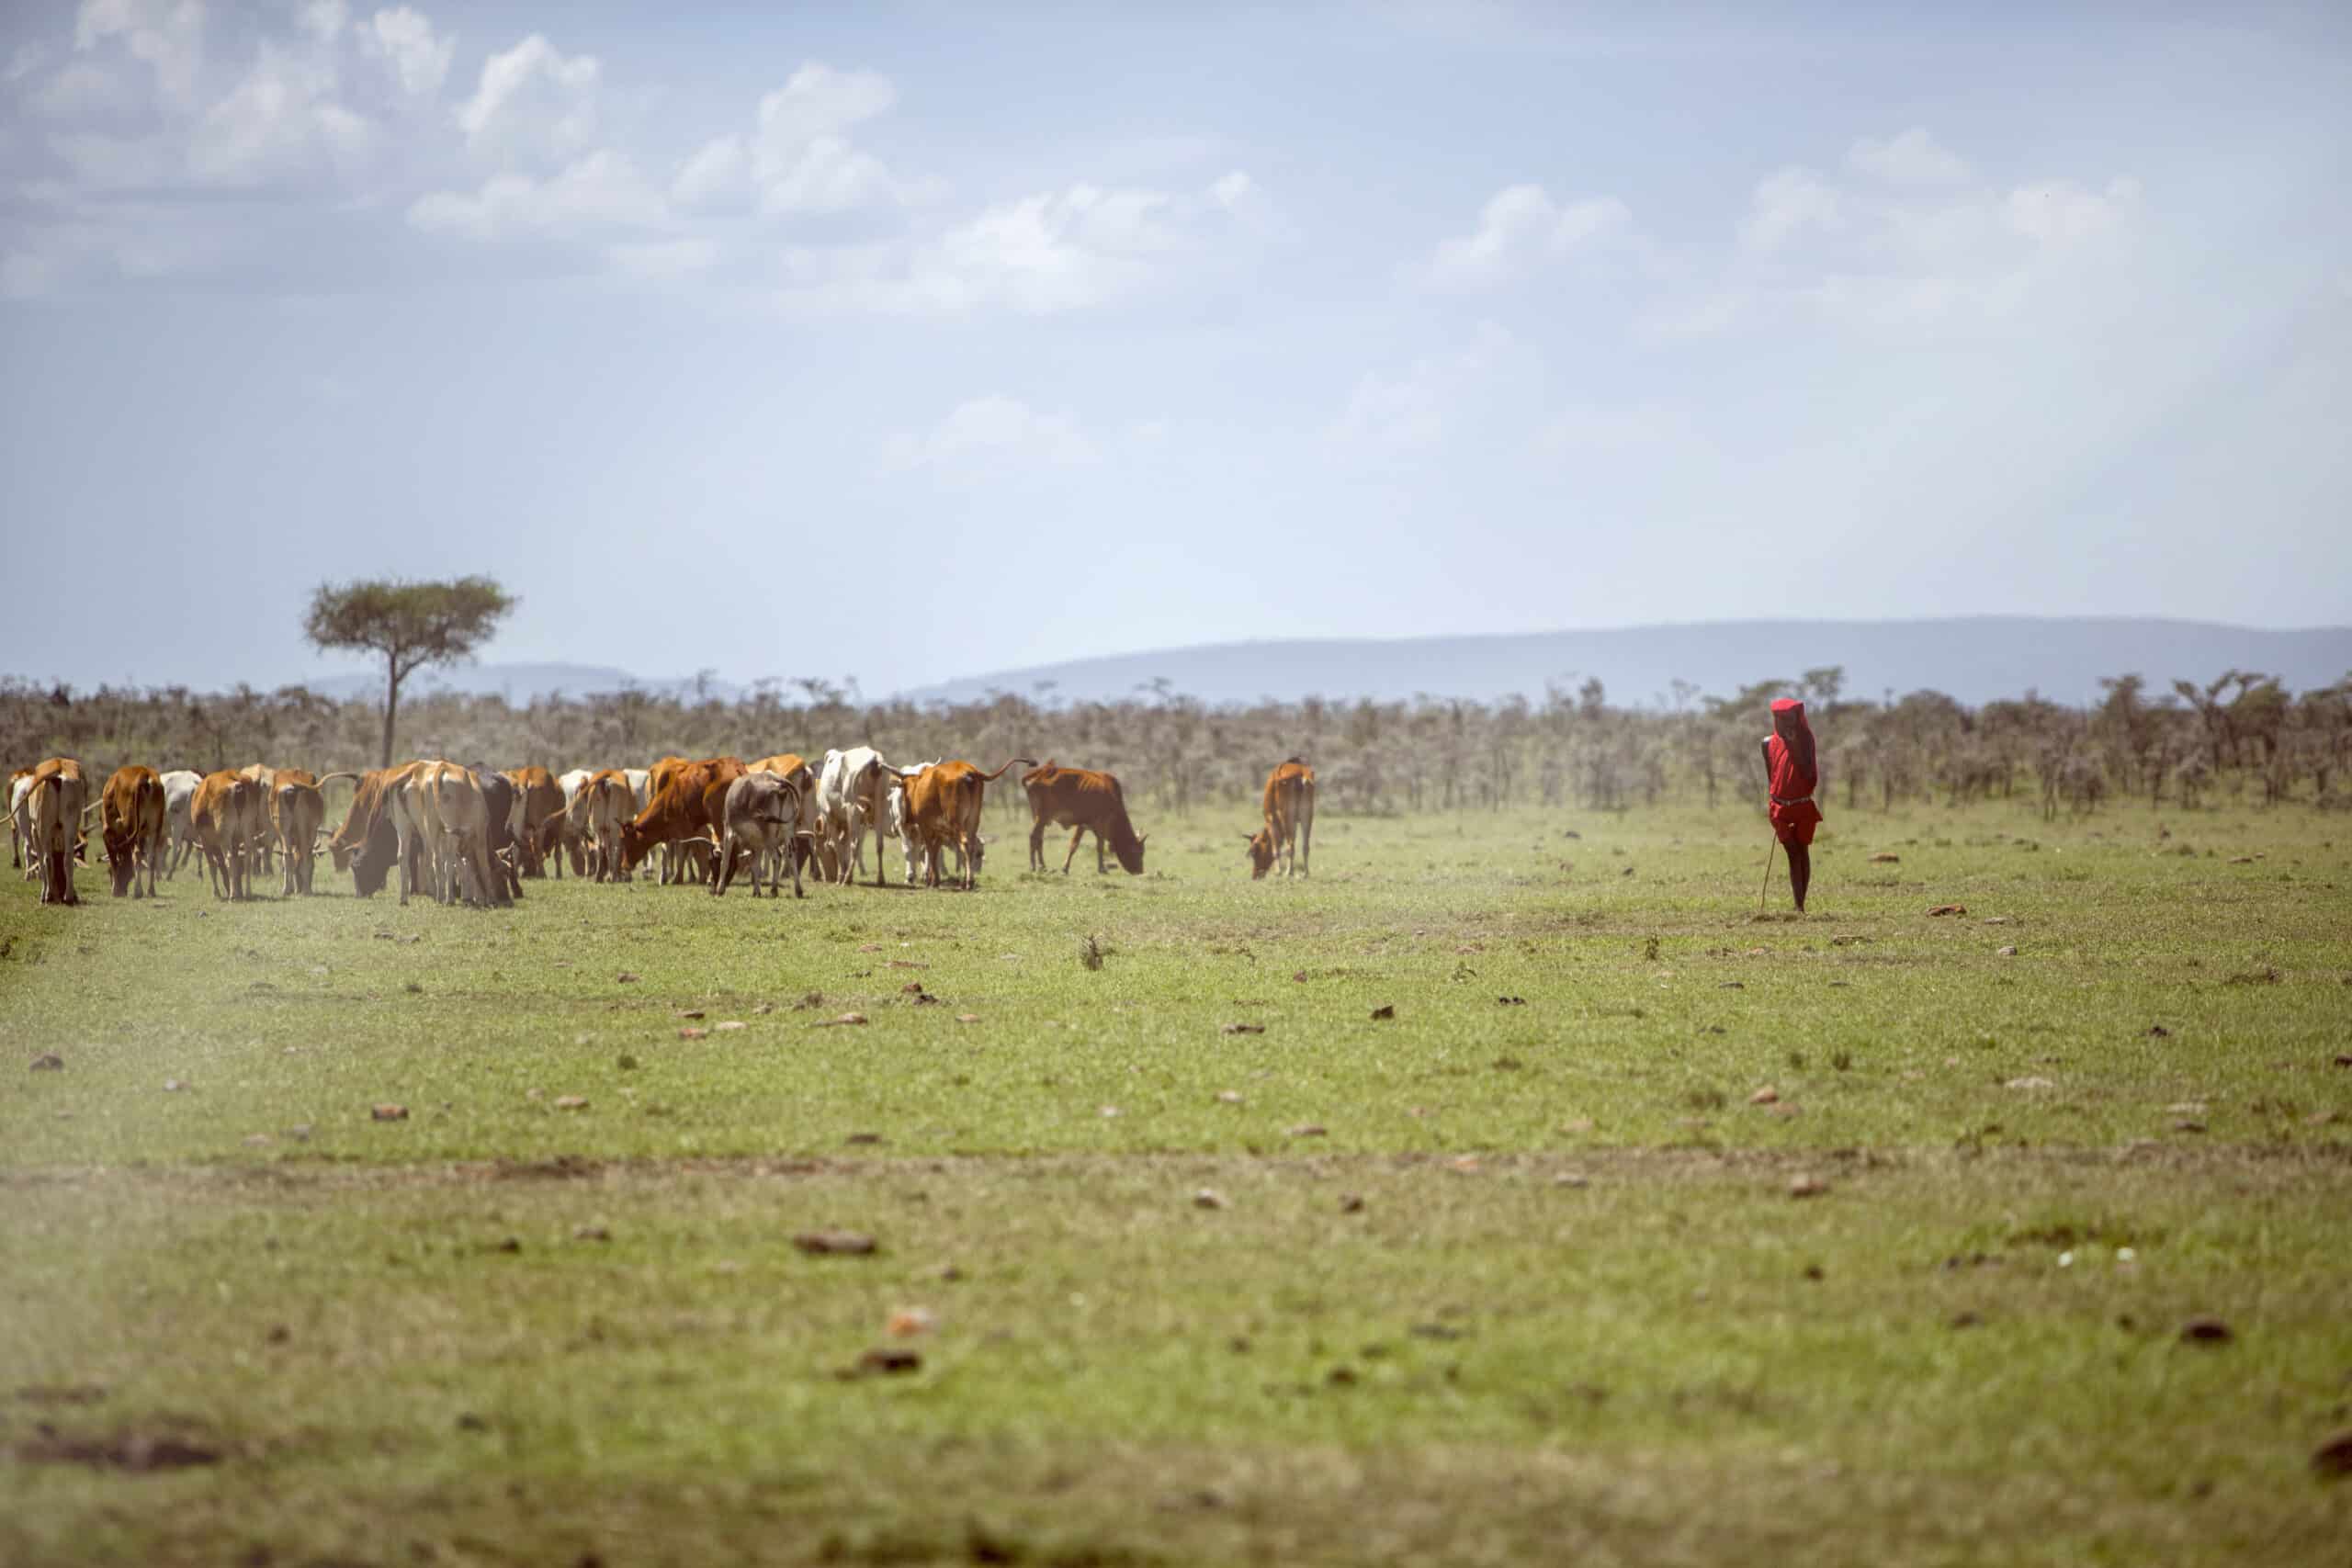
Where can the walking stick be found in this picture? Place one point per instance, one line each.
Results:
(1767, 882)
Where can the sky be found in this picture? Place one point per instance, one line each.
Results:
(907, 342)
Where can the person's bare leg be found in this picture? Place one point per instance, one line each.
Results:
(1800, 872)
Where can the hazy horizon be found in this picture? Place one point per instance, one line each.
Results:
(919, 342)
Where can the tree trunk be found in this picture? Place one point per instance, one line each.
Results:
(391, 706)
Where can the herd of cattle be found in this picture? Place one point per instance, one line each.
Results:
(456, 832)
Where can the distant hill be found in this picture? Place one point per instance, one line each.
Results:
(518, 684)
(1974, 658)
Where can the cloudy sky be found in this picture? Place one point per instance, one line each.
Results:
(906, 342)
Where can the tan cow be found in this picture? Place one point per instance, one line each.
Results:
(1085, 801)
(802, 775)
(55, 799)
(298, 811)
(133, 819)
(1290, 820)
(598, 813)
(226, 817)
(941, 809)
(442, 804)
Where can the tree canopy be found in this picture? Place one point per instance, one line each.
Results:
(412, 624)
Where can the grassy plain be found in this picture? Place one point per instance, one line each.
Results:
(1485, 1282)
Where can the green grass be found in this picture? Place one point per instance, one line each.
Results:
(1489, 1282)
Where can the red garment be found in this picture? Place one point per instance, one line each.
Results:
(1790, 757)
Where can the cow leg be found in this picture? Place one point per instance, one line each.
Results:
(1077, 836)
(1101, 869)
(725, 874)
(1037, 845)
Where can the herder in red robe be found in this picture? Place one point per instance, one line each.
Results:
(1792, 774)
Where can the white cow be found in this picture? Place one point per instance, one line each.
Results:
(914, 851)
(853, 797)
(20, 823)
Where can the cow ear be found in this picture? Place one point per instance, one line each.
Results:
(986, 839)
(1142, 839)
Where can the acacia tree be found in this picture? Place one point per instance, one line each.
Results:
(410, 624)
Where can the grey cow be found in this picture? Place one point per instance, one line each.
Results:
(761, 818)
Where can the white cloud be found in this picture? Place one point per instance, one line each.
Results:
(1912, 158)
(23, 60)
(166, 35)
(532, 103)
(1520, 228)
(992, 435)
(797, 158)
(1785, 204)
(601, 191)
(2062, 213)
(1402, 414)
(1067, 249)
(323, 19)
(103, 162)
(719, 173)
(81, 90)
(1593, 430)
(282, 118)
(659, 260)
(404, 40)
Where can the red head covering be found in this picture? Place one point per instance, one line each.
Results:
(1790, 729)
(1790, 756)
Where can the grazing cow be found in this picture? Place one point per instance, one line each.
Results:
(852, 797)
(498, 798)
(760, 816)
(179, 795)
(226, 816)
(912, 851)
(20, 783)
(796, 768)
(1290, 820)
(297, 810)
(558, 840)
(538, 797)
(598, 812)
(368, 843)
(1084, 802)
(264, 775)
(55, 798)
(131, 816)
(441, 804)
(943, 808)
(687, 803)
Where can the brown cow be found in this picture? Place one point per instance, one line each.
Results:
(56, 797)
(132, 817)
(226, 817)
(538, 798)
(688, 802)
(940, 808)
(1084, 802)
(367, 845)
(1290, 820)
